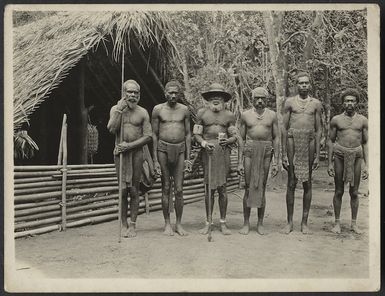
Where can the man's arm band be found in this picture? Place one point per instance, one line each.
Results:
(198, 129)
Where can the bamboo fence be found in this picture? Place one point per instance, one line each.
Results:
(91, 196)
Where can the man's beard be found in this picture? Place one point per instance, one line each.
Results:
(216, 108)
(132, 105)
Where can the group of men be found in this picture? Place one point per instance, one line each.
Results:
(257, 140)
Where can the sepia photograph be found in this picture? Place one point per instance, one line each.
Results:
(192, 148)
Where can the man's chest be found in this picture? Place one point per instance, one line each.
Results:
(132, 118)
(171, 116)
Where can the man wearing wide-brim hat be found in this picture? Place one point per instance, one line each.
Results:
(215, 130)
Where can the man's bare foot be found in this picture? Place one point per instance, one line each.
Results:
(204, 230)
(287, 229)
(124, 230)
(355, 229)
(131, 231)
(337, 228)
(305, 229)
(168, 230)
(179, 230)
(260, 229)
(224, 229)
(245, 229)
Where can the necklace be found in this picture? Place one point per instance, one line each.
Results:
(302, 106)
(260, 116)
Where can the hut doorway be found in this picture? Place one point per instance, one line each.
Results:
(86, 95)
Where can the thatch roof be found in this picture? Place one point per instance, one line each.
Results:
(45, 50)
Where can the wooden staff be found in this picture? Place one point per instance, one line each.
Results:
(121, 159)
(64, 179)
(209, 238)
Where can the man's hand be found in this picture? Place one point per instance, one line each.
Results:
(315, 164)
(365, 173)
(285, 162)
(188, 166)
(121, 105)
(241, 169)
(331, 172)
(208, 146)
(157, 169)
(225, 142)
(274, 170)
(122, 147)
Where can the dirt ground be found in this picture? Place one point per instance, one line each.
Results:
(93, 251)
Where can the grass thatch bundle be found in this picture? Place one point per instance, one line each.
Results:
(45, 50)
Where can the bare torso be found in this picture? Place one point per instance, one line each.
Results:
(215, 122)
(302, 116)
(258, 127)
(349, 130)
(133, 124)
(172, 122)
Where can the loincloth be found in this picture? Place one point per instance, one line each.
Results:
(172, 150)
(127, 170)
(349, 156)
(258, 151)
(302, 138)
(220, 165)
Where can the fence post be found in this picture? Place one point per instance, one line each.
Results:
(64, 174)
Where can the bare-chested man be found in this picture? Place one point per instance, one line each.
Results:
(259, 130)
(348, 138)
(215, 131)
(301, 147)
(136, 133)
(171, 140)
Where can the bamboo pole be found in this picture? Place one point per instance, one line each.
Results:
(92, 220)
(64, 178)
(29, 168)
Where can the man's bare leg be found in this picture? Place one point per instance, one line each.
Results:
(124, 210)
(246, 214)
(261, 214)
(166, 191)
(261, 210)
(307, 191)
(134, 208)
(222, 192)
(354, 200)
(307, 195)
(179, 202)
(338, 192)
(209, 193)
(246, 210)
(291, 184)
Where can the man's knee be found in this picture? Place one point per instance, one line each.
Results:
(134, 191)
(291, 184)
(178, 193)
(339, 192)
(166, 186)
(353, 193)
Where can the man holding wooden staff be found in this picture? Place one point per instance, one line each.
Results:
(348, 138)
(300, 147)
(131, 123)
(215, 130)
(259, 130)
(171, 141)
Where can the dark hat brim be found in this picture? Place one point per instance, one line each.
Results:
(208, 94)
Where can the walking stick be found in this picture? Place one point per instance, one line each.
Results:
(121, 160)
(209, 238)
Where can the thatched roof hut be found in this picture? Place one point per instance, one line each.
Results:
(48, 50)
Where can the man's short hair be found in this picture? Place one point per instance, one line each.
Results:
(302, 74)
(130, 81)
(350, 92)
(173, 83)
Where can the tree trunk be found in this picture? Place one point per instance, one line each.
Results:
(273, 25)
(187, 88)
